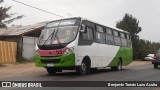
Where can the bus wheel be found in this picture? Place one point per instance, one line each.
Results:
(51, 71)
(82, 69)
(118, 67)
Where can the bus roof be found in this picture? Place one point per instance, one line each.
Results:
(121, 30)
(82, 18)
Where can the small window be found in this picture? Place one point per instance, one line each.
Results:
(108, 31)
(123, 39)
(100, 37)
(115, 33)
(117, 41)
(128, 36)
(124, 42)
(109, 39)
(128, 40)
(88, 34)
(122, 35)
(99, 28)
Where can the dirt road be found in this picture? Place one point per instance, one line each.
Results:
(29, 69)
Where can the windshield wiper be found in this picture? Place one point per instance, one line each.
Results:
(56, 36)
(48, 37)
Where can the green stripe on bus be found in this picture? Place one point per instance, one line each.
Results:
(125, 53)
(67, 60)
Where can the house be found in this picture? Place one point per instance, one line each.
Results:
(26, 38)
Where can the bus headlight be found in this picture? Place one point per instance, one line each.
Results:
(68, 50)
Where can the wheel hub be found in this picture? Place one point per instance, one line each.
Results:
(83, 66)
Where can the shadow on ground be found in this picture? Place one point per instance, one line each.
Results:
(74, 73)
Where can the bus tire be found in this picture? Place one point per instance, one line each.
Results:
(82, 69)
(118, 67)
(51, 71)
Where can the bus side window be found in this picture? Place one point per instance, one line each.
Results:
(109, 36)
(117, 39)
(100, 35)
(88, 34)
(86, 38)
(123, 39)
(128, 40)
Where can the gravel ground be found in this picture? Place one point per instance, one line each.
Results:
(139, 63)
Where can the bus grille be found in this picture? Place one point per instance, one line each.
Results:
(50, 60)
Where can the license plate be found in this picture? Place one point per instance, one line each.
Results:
(50, 65)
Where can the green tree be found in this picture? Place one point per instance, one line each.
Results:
(131, 24)
(5, 17)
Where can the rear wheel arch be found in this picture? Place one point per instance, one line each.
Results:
(87, 60)
(120, 60)
(119, 65)
(84, 68)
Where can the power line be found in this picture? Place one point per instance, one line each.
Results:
(38, 8)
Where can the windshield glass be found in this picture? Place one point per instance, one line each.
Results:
(62, 23)
(58, 35)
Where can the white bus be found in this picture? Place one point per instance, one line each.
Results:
(76, 43)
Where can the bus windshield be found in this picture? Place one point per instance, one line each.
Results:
(61, 35)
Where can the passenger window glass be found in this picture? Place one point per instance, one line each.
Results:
(100, 37)
(109, 31)
(128, 37)
(124, 42)
(109, 36)
(122, 35)
(88, 34)
(117, 41)
(115, 33)
(99, 28)
(128, 40)
(109, 39)
(123, 39)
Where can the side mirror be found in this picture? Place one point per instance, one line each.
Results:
(82, 28)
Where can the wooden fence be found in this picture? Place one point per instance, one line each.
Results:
(8, 51)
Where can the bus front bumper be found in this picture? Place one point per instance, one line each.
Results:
(67, 60)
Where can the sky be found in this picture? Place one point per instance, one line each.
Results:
(106, 12)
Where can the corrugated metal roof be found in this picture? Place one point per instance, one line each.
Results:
(19, 30)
